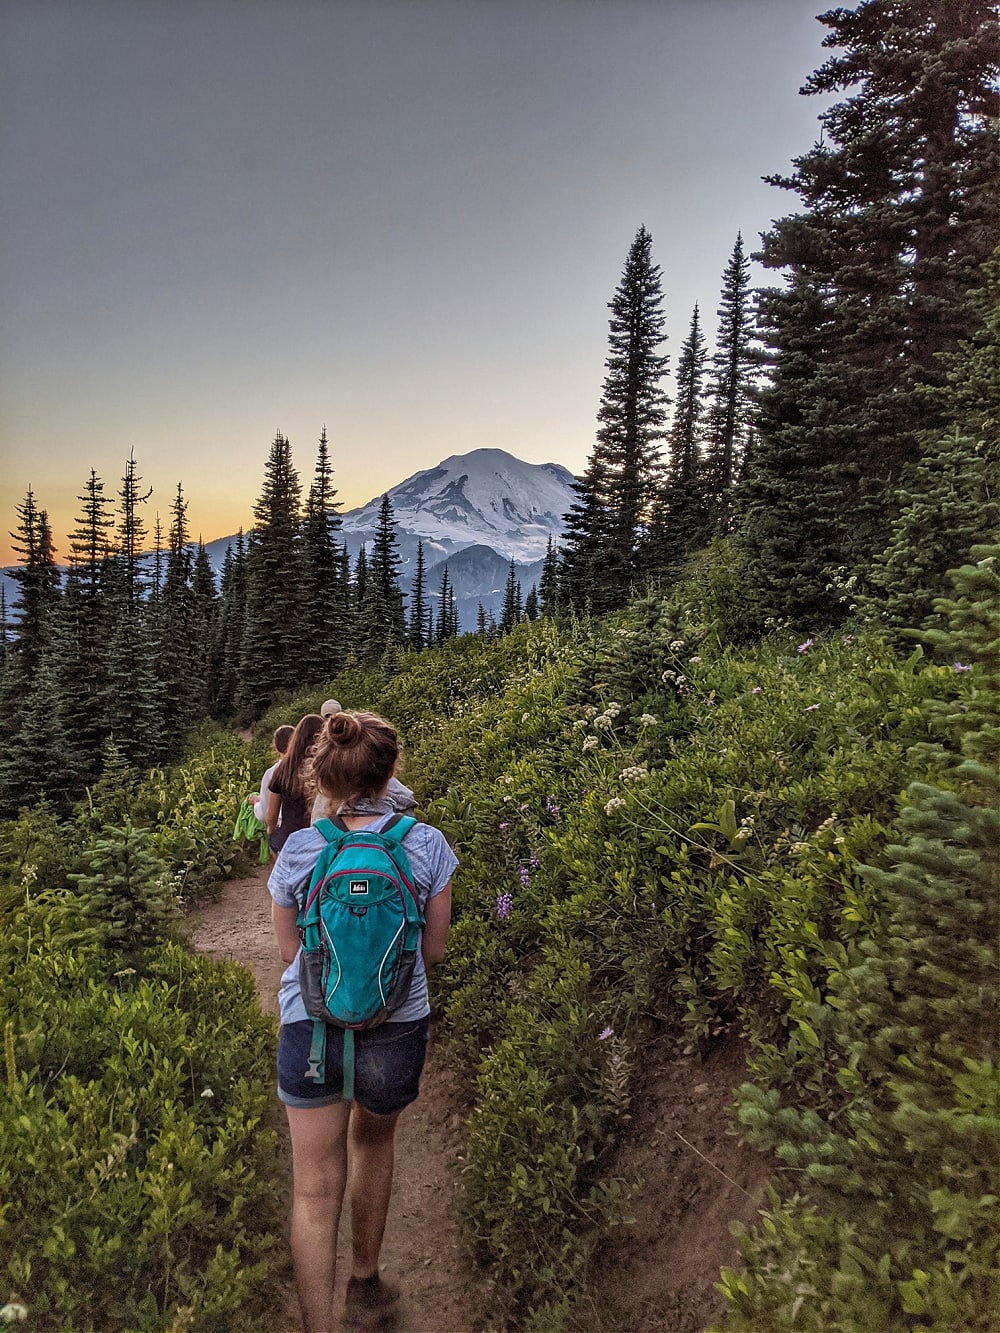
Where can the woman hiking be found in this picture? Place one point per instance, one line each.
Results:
(352, 760)
(290, 798)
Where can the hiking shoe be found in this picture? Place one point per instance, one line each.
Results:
(371, 1304)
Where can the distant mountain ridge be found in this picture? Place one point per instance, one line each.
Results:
(475, 511)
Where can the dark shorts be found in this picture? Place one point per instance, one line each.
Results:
(388, 1062)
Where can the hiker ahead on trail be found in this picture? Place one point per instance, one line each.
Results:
(344, 893)
(291, 796)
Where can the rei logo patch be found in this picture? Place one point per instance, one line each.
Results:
(358, 886)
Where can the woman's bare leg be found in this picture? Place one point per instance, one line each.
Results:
(319, 1173)
(371, 1186)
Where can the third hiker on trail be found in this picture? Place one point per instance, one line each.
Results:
(335, 891)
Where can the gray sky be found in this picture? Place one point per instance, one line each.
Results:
(402, 219)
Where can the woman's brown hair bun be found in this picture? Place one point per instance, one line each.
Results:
(344, 729)
(355, 756)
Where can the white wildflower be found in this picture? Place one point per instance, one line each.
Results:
(694, 659)
(676, 645)
(614, 804)
(603, 722)
(634, 773)
(589, 742)
(647, 720)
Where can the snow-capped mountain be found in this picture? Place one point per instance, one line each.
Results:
(477, 511)
(483, 498)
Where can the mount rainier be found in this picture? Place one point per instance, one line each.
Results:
(476, 512)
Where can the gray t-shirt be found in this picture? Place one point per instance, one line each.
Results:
(432, 862)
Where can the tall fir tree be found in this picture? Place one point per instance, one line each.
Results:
(679, 523)
(548, 584)
(736, 367)
(417, 631)
(447, 618)
(270, 658)
(585, 540)
(326, 611)
(132, 706)
(179, 657)
(37, 580)
(131, 537)
(513, 607)
(360, 583)
(205, 613)
(382, 626)
(228, 635)
(91, 541)
(900, 204)
(618, 491)
(951, 500)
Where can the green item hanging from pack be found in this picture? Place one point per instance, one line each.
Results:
(248, 827)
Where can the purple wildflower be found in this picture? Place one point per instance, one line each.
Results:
(757, 689)
(551, 808)
(523, 876)
(960, 666)
(810, 708)
(504, 828)
(504, 907)
(804, 647)
(535, 864)
(603, 1036)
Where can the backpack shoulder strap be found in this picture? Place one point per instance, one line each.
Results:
(333, 830)
(397, 829)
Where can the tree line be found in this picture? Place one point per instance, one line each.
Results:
(848, 446)
(837, 450)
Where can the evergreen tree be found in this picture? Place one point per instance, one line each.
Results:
(360, 578)
(900, 211)
(326, 611)
(531, 603)
(585, 540)
(180, 655)
(91, 541)
(37, 580)
(271, 651)
(680, 519)
(131, 536)
(39, 760)
(893, 1224)
(228, 633)
(447, 619)
(131, 706)
(512, 606)
(205, 610)
(605, 529)
(417, 635)
(383, 619)
(735, 368)
(949, 502)
(482, 625)
(548, 585)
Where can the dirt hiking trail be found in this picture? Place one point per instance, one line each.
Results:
(692, 1178)
(420, 1248)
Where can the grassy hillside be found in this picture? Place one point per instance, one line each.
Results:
(662, 836)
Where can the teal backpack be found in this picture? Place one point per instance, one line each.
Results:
(360, 928)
